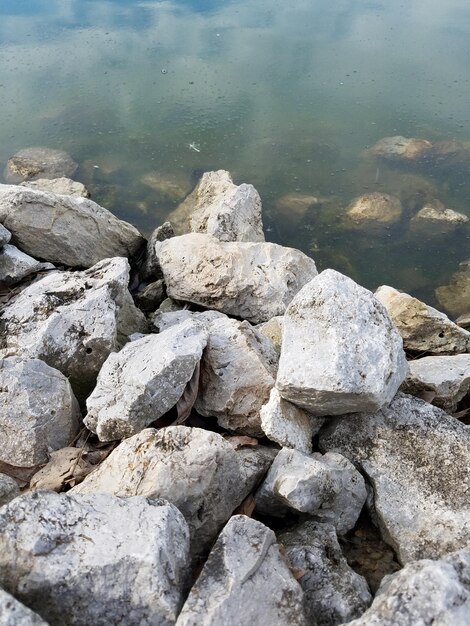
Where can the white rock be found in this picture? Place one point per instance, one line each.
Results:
(455, 297)
(38, 411)
(144, 380)
(16, 265)
(373, 212)
(272, 329)
(424, 592)
(72, 320)
(13, 613)
(95, 559)
(417, 459)
(61, 229)
(8, 489)
(333, 593)
(327, 487)
(401, 149)
(197, 470)
(434, 219)
(340, 351)
(62, 186)
(254, 281)
(39, 162)
(5, 236)
(245, 581)
(422, 328)
(442, 380)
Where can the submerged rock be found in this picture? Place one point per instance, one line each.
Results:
(407, 150)
(434, 219)
(8, 490)
(295, 206)
(61, 186)
(39, 162)
(455, 297)
(13, 613)
(373, 212)
(16, 265)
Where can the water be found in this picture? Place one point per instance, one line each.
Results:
(284, 95)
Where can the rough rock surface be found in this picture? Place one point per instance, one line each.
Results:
(62, 186)
(39, 162)
(422, 328)
(13, 613)
(238, 370)
(434, 219)
(327, 487)
(16, 265)
(72, 320)
(424, 593)
(8, 489)
(333, 593)
(5, 235)
(254, 281)
(373, 212)
(195, 469)
(143, 381)
(38, 411)
(245, 581)
(401, 149)
(455, 297)
(94, 559)
(151, 269)
(417, 459)
(442, 380)
(61, 229)
(340, 351)
(272, 329)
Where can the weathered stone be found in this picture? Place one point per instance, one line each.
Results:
(238, 370)
(422, 328)
(16, 265)
(401, 149)
(423, 592)
(417, 459)
(8, 489)
(435, 220)
(5, 236)
(455, 297)
(94, 559)
(72, 320)
(272, 329)
(197, 470)
(61, 186)
(326, 487)
(144, 380)
(38, 411)
(13, 613)
(442, 380)
(151, 269)
(464, 321)
(39, 162)
(150, 298)
(373, 212)
(62, 229)
(333, 593)
(245, 581)
(340, 351)
(254, 281)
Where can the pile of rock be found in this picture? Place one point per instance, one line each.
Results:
(215, 453)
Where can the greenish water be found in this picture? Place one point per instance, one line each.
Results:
(284, 95)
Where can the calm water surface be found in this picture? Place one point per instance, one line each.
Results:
(284, 95)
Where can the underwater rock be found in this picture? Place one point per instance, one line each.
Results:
(373, 212)
(434, 220)
(40, 162)
(407, 150)
(455, 297)
(296, 206)
(61, 186)
(16, 265)
(172, 186)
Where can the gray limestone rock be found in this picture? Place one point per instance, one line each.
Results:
(455, 297)
(245, 581)
(417, 459)
(326, 487)
(62, 186)
(333, 593)
(65, 230)
(5, 236)
(13, 613)
(38, 411)
(16, 265)
(8, 489)
(95, 559)
(254, 281)
(143, 381)
(39, 162)
(373, 212)
(272, 329)
(340, 351)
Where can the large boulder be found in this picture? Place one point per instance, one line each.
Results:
(38, 411)
(144, 380)
(62, 186)
(61, 229)
(340, 351)
(373, 213)
(417, 459)
(72, 320)
(254, 281)
(39, 162)
(16, 265)
(13, 613)
(455, 297)
(401, 149)
(245, 581)
(95, 559)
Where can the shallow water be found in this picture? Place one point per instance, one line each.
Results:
(284, 95)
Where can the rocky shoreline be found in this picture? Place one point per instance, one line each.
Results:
(201, 429)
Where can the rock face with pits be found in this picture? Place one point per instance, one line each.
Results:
(39, 162)
(373, 212)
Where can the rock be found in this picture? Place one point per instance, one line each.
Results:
(340, 351)
(13, 613)
(8, 490)
(272, 329)
(38, 411)
(72, 320)
(373, 212)
(401, 149)
(422, 328)
(5, 236)
(288, 425)
(450, 156)
(39, 162)
(171, 186)
(61, 186)
(238, 370)
(435, 220)
(94, 559)
(195, 469)
(333, 593)
(464, 321)
(151, 269)
(144, 380)
(442, 380)
(417, 459)
(455, 297)
(245, 581)
(295, 206)
(65, 230)
(16, 265)
(150, 298)
(254, 281)
(424, 592)
(326, 487)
